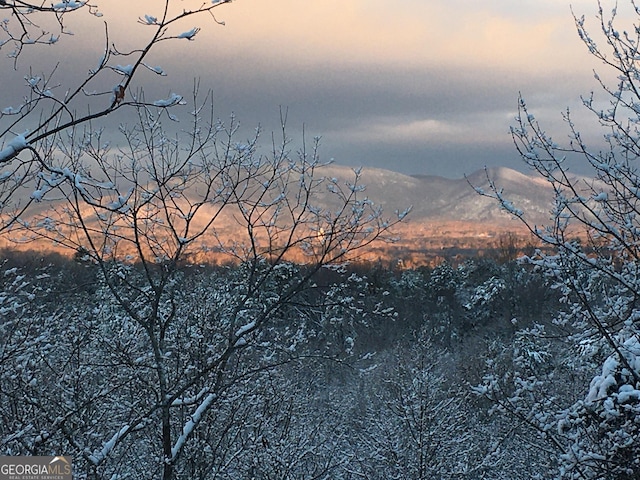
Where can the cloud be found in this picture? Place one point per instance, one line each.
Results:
(412, 79)
(359, 32)
(472, 129)
(398, 131)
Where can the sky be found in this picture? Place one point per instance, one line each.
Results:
(414, 86)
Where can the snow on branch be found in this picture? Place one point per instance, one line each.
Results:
(178, 402)
(13, 148)
(158, 70)
(68, 6)
(616, 380)
(98, 457)
(242, 331)
(174, 99)
(191, 425)
(120, 204)
(12, 110)
(190, 35)
(149, 20)
(125, 70)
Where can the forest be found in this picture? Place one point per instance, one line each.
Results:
(367, 373)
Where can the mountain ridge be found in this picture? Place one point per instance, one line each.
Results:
(449, 219)
(435, 198)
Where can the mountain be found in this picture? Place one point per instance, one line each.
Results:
(449, 218)
(439, 199)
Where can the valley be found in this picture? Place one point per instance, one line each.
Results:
(448, 219)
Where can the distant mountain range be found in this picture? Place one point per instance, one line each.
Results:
(438, 199)
(449, 219)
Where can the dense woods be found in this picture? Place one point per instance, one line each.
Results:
(368, 373)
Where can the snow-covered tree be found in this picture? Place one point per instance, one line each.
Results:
(160, 350)
(80, 376)
(36, 124)
(34, 23)
(425, 435)
(594, 234)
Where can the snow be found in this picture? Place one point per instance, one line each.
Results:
(480, 389)
(601, 197)
(241, 332)
(603, 386)
(190, 35)
(600, 386)
(174, 99)
(39, 194)
(157, 69)
(120, 203)
(12, 110)
(98, 457)
(191, 424)
(245, 328)
(189, 400)
(508, 206)
(402, 214)
(124, 69)
(68, 5)
(627, 393)
(13, 148)
(117, 204)
(33, 81)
